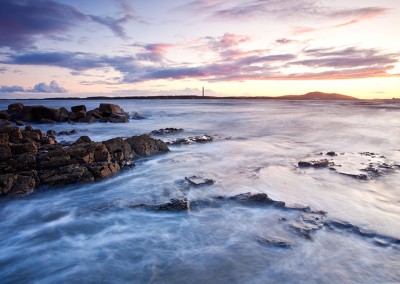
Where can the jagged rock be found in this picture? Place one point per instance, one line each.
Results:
(94, 113)
(4, 122)
(87, 119)
(275, 242)
(168, 130)
(314, 163)
(308, 223)
(173, 205)
(5, 115)
(120, 150)
(199, 181)
(190, 140)
(144, 145)
(255, 199)
(83, 139)
(65, 175)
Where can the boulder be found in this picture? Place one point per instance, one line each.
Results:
(144, 145)
(87, 119)
(5, 115)
(108, 109)
(168, 130)
(323, 163)
(199, 181)
(15, 107)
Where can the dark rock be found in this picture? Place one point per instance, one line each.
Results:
(22, 148)
(5, 152)
(37, 113)
(108, 109)
(94, 113)
(173, 205)
(103, 170)
(275, 242)
(118, 118)
(137, 116)
(256, 199)
(65, 175)
(5, 115)
(307, 223)
(15, 107)
(199, 139)
(65, 132)
(83, 139)
(46, 121)
(199, 181)
(87, 119)
(4, 122)
(331, 153)
(18, 184)
(79, 108)
(314, 163)
(20, 123)
(51, 132)
(144, 145)
(120, 150)
(63, 114)
(168, 130)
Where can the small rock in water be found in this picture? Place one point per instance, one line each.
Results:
(314, 163)
(198, 181)
(137, 116)
(199, 139)
(256, 199)
(173, 205)
(168, 130)
(276, 242)
(308, 223)
(331, 153)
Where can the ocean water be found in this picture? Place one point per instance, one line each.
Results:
(88, 234)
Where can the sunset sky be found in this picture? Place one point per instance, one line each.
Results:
(66, 48)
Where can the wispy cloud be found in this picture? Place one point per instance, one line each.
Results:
(22, 22)
(52, 87)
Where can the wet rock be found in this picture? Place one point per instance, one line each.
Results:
(63, 114)
(256, 199)
(307, 223)
(94, 113)
(65, 132)
(18, 184)
(83, 139)
(79, 108)
(5, 115)
(4, 122)
(118, 118)
(144, 145)
(51, 132)
(199, 181)
(65, 175)
(173, 205)
(108, 109)
(314, 163)
(275, 242)
(331, 153)
(168, 130)
(15, 107)
(87, 119)
(199, 139)
(137, 116)
(20, 123)
(120, 150)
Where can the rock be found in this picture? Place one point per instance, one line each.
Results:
(94, 113)
(79, 108)
(5, 152)
(331, 153)
(117, 118)
(199, 181)
(36, 113)
(144, 145)
(256, 199)
(46, 121)
(168, 130)
(20, 123)
(51, 132)
(120, 150)
(4, 122)
(307, 223)
(20, 184)
(190, 140)
(83, 139)
(173, 205)
(65, 175)
(65, 132)
(22, 148)
(108, 109)
(275, 242)
(5, 115)
(15, 107)
(87, 119)
(137, 116)
(314, 163)
(63, 114)
(103, 170)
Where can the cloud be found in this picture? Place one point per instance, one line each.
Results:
(11, 89)
(53, 87)
(22, 22)
(248, 9)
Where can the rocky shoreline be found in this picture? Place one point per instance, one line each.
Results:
(31, 159)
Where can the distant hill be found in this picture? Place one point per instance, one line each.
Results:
(317, 96)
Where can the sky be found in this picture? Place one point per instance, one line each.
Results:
(67, 48)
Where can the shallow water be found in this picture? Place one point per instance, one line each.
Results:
(87, 234)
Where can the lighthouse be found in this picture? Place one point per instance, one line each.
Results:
(202, 92)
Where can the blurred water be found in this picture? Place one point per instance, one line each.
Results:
(87, 234)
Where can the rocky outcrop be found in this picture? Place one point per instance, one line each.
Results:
(199, 181)
(190, 140)
(31, 158)
(18, 112)
(168, 130)
(362, 166)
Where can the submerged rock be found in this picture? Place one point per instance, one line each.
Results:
(255, 199)
(199, 181)
(275, 242)
(172, 205)
(307, 223)
(362, 166)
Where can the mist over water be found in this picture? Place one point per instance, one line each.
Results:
(88, 234)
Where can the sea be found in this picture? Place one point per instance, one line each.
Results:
(89, 233)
